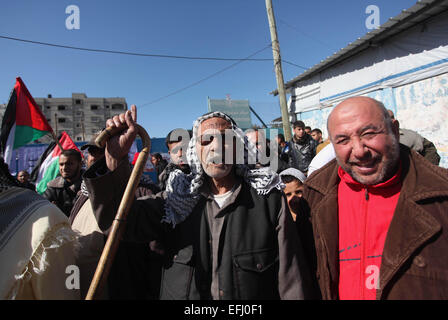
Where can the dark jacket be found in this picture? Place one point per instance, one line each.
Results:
(62, 193)
(301, 152)
(28, 185)
(160, 166)
(163, 177)
(414, 263)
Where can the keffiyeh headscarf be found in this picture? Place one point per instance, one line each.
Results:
(183, 189)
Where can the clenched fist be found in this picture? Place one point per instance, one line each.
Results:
(118, 146)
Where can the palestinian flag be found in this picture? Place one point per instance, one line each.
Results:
(22, 122)
(47, 167)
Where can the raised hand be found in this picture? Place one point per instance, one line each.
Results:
(118, 146)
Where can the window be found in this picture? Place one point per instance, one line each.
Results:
(93, 107)
(78, 101)
(61, 107)
(78, 138)
(78, 125)
(48, 107)
(61, 120)
(117, 106)
(107, 106)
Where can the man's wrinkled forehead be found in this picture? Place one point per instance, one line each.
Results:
(215, 123)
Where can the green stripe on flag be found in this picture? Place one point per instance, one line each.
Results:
(51, 173)
(25, 134)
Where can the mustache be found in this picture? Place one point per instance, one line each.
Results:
(368, 160)
(216, 159)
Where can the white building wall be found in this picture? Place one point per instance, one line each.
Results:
(421, 106)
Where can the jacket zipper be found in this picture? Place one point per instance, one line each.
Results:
(363, 244)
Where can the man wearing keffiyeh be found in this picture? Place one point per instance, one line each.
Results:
(226, 228)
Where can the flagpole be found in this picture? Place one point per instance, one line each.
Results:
(57, 140)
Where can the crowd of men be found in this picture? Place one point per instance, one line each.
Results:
(233, 215)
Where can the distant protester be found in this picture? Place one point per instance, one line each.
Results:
(23, 177)
(159, 164)
(63, 189)
(293, 180)
(177, 143)
(302, 148)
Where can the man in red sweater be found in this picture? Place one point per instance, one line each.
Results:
(378, 212)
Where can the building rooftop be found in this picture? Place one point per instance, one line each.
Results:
(423, 10)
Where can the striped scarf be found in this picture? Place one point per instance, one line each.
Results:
(182, 189)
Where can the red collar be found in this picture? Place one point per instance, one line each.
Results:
(395, 179)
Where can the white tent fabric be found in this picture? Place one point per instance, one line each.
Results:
(416, 54)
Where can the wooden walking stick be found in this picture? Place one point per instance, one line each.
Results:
(118, 225)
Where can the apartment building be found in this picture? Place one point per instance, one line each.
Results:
(79, 116)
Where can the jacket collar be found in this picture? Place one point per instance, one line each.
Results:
(412, 226)
(432, 180)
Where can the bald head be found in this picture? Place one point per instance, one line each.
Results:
(365, 139)
(360, 104)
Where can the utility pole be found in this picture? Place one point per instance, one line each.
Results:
(83, 132)
(278, 70)
(56, 124)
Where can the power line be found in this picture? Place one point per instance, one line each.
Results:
(206, 78)
(129, 53)
(293, 64)
(140, 54)
(238, 60)
(304, 34)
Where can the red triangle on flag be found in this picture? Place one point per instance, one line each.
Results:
(66, 143)
(27, 111)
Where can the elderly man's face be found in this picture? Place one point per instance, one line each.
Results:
(211, 147)
(364, 147)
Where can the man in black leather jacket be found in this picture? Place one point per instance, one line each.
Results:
(302, 148)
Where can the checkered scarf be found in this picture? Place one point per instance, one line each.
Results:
(183, 189)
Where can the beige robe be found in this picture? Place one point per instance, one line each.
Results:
(37, 249)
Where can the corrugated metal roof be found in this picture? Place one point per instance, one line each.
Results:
(421, 11)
